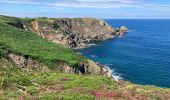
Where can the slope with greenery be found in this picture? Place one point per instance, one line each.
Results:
(50, 85)
(28, 44)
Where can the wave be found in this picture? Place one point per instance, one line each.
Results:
(92, 44)
(115, 76)
(93, 56)
(131, 31)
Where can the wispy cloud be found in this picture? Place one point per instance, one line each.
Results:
(126, 7)
(24, 2)
(99, 4)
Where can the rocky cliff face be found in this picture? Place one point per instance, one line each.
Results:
(73, 33)
(88, 68)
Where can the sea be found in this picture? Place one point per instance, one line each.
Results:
(141, 56)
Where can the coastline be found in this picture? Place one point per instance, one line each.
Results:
(71, 33)
(52, 71)
(105, 68)
(78, 37)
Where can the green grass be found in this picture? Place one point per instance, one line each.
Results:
(50, 85)
(28, 44)
(8, 19)
(17, 83)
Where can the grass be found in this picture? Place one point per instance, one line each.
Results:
(28, 44)
(8, 19)
(17, 83)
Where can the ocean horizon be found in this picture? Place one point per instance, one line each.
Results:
(141, 56)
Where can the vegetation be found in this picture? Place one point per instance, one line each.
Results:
(28, 44)
(16, 83)
(8, 19)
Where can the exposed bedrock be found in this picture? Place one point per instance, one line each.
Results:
(74, 33)
(89, 68)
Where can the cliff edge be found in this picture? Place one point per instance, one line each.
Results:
(75, 32)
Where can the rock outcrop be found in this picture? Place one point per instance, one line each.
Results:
(26, 62)
(74, 33)
(89, 68)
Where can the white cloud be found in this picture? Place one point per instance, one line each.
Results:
(108, 1)
(99, 4)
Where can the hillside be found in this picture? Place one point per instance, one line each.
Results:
(72, 33)
(28, 50)
(28, 44)
(19, 84)
(32, 67)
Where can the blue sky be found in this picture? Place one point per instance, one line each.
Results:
(118, 9)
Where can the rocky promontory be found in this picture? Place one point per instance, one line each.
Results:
(75, 32)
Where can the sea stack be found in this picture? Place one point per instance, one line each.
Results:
(123, 30)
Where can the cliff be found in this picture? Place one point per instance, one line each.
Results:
(73, 33)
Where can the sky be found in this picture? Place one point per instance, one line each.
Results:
(106, 9)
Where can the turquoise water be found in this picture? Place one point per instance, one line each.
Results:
(142, 56)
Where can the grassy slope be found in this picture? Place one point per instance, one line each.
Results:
(16, 83)
(49, 85)
(29, 44)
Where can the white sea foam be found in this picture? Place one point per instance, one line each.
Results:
(92, 44)
(115, 76)
(109, 64)
(93, 56)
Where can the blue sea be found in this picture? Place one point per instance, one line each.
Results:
(141, 56)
